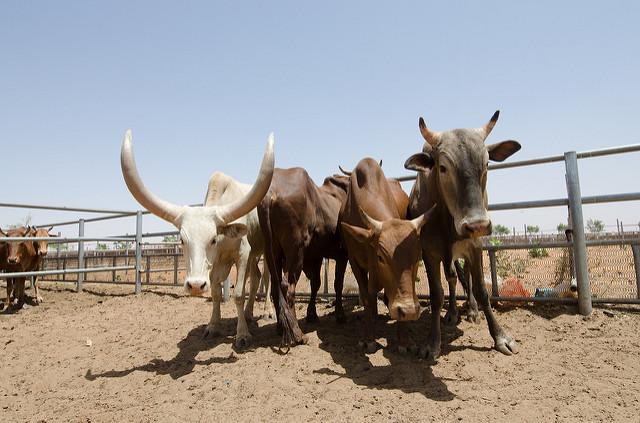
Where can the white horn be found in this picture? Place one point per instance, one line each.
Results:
(161, 208)
(486, 130)
(230, 212)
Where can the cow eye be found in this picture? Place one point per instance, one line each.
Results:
(443, 169)
(380, 259)
(213, 241)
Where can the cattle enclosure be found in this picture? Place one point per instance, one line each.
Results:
(606, 268)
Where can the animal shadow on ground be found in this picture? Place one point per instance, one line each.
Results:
(404, 372)
(190, 346)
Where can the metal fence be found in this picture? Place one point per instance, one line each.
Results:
(162, 263)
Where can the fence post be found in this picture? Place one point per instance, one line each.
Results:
(494, 273)
(138, 251)
(80, 256)
(635, 248)
(325, 276)
(579, 242)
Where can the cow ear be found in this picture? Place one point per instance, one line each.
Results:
(361, 235)
(234, 230)
(501, 151)
(420, 162)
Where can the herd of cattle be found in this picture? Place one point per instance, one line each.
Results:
(360, 217)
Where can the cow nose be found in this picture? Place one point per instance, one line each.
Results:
(203, 286)
(477, 228)
(188, 285)
(13, 260)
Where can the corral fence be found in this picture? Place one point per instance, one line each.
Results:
(606, 269)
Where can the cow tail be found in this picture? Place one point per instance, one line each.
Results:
(291, 333)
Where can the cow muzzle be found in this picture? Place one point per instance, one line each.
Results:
(476, 228)
(196, 287)
(403, 311)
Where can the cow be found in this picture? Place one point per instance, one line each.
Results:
(222, 232)
(383, 249)
(299, 221)
(452, 177)
(40, 249)
(18, 256)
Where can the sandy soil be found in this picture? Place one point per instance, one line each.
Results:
(108, 355)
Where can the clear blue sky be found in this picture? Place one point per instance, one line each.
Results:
(203, 84)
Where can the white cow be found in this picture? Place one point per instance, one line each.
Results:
(222, 232)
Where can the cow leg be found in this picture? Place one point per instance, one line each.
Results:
(451, 318)
(503, 342)
(431, 350)
(218, 274)
(254, 284)
(34, 282)
(18, 290)
(243, 337)
(314, 277)
(267, 311)
(338, 284)
(9, 292)
(464, 274)
(370, 309)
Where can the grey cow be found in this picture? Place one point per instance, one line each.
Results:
(452, 173)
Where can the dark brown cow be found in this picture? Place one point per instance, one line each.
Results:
(452, 173)
(383, 247)
(299, 223)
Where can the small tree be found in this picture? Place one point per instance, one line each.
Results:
(170, 238)
(501, 230)
(101, 246)
(533, 229)
(595, 226)
(122, 245)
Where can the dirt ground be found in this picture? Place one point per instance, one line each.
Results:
(108, 355)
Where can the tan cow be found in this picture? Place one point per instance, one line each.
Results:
(383, 248)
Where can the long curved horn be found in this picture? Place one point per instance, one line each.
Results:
(161, 208)
(230, 212)
(371, 223)
(429, 136)
(346, 172)
(486, 130)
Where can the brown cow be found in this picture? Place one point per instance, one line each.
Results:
(383, 248)
(452, 173)
(299, 221)
(18, 255)
(41, 247)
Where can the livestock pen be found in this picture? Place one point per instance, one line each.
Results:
(606, 269)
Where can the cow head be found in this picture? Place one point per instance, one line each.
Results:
(201, 228)
(458, 161)
(17, 252)
(41, 246)
(393, 250)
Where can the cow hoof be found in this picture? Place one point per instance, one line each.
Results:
(429, 353)
(451, 319)
(39, 300)
(506, 345)
(243, 341)
(211, 332)
(473, 316)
